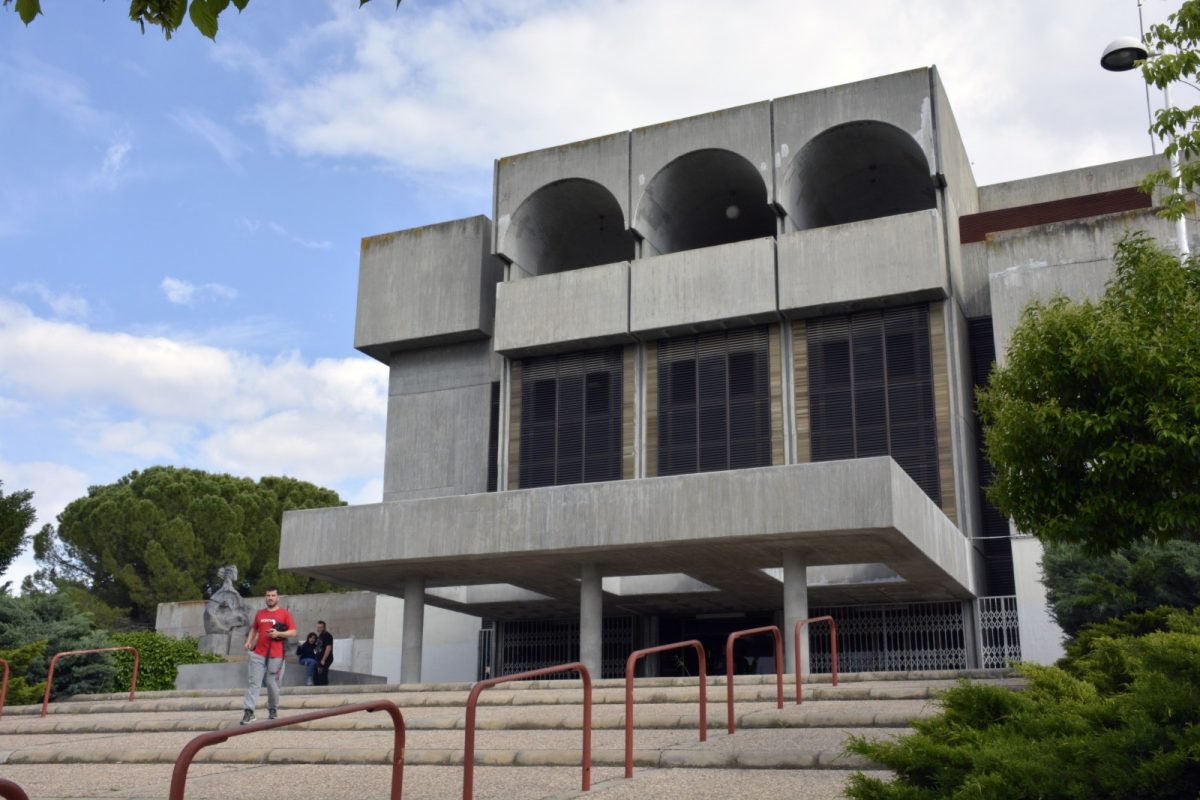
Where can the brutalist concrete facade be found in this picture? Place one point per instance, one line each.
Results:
(839, 207)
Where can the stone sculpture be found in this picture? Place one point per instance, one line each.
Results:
(224, 613)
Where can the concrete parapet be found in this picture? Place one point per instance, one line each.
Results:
(567, 310)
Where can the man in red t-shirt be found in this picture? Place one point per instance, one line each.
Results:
(267, 641)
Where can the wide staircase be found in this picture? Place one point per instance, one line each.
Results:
(528, 742)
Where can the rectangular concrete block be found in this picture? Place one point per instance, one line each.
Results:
(428, 285)
(729, 285)
(565, 310)
(899, 258)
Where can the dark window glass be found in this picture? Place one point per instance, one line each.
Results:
(571, 418)
(493, 439)
(714, 407)
(870, 385)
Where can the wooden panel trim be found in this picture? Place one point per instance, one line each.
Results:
(514, 426)
(628, 412)
(776, 393)
(800, 379)
(651, 395)
(976, 227)
(940, 356)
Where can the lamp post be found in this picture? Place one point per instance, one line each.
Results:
(1121, 55)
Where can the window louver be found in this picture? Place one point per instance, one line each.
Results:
(997, 550)
(571, 418)
(871, 390)
(714, 409)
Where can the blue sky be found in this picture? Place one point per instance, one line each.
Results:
(179, 221)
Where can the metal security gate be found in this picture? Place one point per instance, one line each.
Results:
(524, 645)
(999, 631)
(892, 638)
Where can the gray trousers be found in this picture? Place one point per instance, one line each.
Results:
(260, 669)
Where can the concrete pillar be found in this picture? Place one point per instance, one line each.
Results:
(591, 619)
(795, 608)
(414, 629)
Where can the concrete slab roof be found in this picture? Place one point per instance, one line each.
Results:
(721, 528)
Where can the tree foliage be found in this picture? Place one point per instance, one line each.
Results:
(16, 515)
(159, 657)
(1121, 720)
(159, 535)
(1093, 426)
(166, 15)
(1177, 60)
(1086, 589)
(37, 625)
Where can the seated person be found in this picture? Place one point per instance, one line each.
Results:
(307, 653)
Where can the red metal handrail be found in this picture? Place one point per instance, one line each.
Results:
(10, 791)
(773, 629)
(832, 650)
(179, 774)
(57, 656)
(3, 687)
(629, 665)
(473, 699)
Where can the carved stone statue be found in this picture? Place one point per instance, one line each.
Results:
(224, 613)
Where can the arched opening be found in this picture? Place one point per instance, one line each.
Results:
(701, 199)
(855, 171)
(566, 225)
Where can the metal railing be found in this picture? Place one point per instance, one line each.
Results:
(800, 661)
(57, 656)
(179, 774)
(3, 687)
(772, 629)
(473, 699)
(10, 791)
(629, 665)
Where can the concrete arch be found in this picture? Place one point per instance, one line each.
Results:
(568, 224)
(704, 198)
(855, 171)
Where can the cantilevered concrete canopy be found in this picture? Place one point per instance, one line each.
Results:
(719, 528)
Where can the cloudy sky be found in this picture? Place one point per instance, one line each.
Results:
(179, 221)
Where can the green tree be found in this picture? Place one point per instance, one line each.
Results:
(16, 515)
(160, 534)
(1176, 45)
(167, 15)
(1093, 426)
(54, 621)
(1086, 589)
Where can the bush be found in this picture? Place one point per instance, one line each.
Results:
(20, 691)
(159, 656)
(1120, 720)
(53, 620)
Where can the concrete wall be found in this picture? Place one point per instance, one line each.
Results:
(426, 285)
(1070, 183)
(437, 425)
(732, 283)
(578, 309)
(449, 643)
(827, 269)
(1041, 638)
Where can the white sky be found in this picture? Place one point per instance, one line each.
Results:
(179, 221)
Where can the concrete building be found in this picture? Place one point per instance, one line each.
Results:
(713, 374)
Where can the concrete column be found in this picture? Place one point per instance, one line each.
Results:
(795, 608)
(414, 629)
(591, 619)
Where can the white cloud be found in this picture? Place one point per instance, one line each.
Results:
(223, 141)
(182, 293)
(455, 85)
(56, 90)
(108, 175)
(255, 225)
(63, 304)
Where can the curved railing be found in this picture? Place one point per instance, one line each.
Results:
(832, 650)
(179, 774)
(629, 665)
(473, 699)
(10, 791)
(57, 656)
(3, 687)
(772, 629)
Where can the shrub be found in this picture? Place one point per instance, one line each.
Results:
(159, 656)
(20, 691)
(55, 621)
(1120, 720)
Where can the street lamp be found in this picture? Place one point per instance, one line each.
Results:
(1121, 55)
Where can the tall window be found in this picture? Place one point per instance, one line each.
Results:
(571, 418)
(870, 389)
(714, 404)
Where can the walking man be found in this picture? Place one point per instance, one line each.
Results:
(267, 641)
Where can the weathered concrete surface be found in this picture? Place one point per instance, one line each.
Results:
(424, 286)
(573, 310)
(857, 511)
(894, 260)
